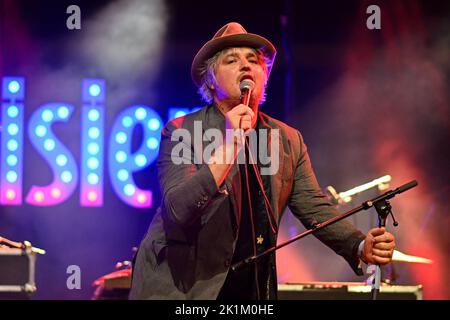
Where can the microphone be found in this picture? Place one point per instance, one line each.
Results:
(246, 87)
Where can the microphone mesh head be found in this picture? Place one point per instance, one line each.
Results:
(246, 84)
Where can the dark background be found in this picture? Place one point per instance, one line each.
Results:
(368, 103)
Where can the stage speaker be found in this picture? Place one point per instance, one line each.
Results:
(346, 291)
(17, 269)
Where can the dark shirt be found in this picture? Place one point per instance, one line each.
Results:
(245, 283)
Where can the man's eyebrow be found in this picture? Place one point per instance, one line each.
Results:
(231, 54)
(235, 55)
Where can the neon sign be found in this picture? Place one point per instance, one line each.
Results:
(122, 162)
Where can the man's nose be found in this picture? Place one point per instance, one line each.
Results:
(245, 66)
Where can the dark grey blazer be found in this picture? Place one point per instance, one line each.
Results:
(190, 242)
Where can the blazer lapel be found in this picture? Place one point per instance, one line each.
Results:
(276, 177)
(215, 119)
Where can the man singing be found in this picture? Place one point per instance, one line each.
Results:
(215, 212)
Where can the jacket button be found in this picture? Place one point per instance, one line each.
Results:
(227, 263)
(199, 204)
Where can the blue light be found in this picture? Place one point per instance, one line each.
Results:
(94, 90)
(61, 160)
(154, 124)
(14, 86)
(92, 178)
(13, 111)
(127, 122)
(129, 189)
(11, 160)
(47, 115)
(11, 176)
(122, 175)
(93, 133)
(179, 114)
(49, 144)
(121, 137)
(121, 156)
(93, 115)
(140, 160)
(92, 163)
(63, 112)
(40, 131)
(12, 145)
(13, 129)
(66, 176)
(93, 148)
(140, 113)
(152, 143)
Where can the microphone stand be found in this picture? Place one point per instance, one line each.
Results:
(380, 203)
(383, 208)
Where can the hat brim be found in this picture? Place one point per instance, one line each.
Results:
(236, 40)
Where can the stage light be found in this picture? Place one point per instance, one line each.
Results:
(11, 176)
(63, 112)
(13, 86)
(121, 137)
(61, 160)
(124, 157)
(11, 160)
(11, 153)
(93, 115)
(93, 148)
(122, 175)
(10, 194)
(129, 189)
(92, 178)
(179, 114)
(92, 196)
(92, 163)
(12, 111)
(154, 124)
(47, 115)
(93, 112)
(93, 133)
(56, 193)
(141, 198)
(140, 160)
(12, 145)
(121, 156)
(140, 114)
(49, 144)
(152, 143)
(176, 112)
(41, 131)
(66, 176)
(39, 196)
(94, 90)
(13, 129)
(127, 122)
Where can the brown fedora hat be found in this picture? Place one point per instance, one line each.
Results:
(230, 35)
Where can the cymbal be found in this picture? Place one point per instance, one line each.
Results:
(402, 257)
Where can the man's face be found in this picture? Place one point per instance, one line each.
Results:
(235, 65)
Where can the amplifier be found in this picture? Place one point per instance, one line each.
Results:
(346, 291)
(17, 268)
